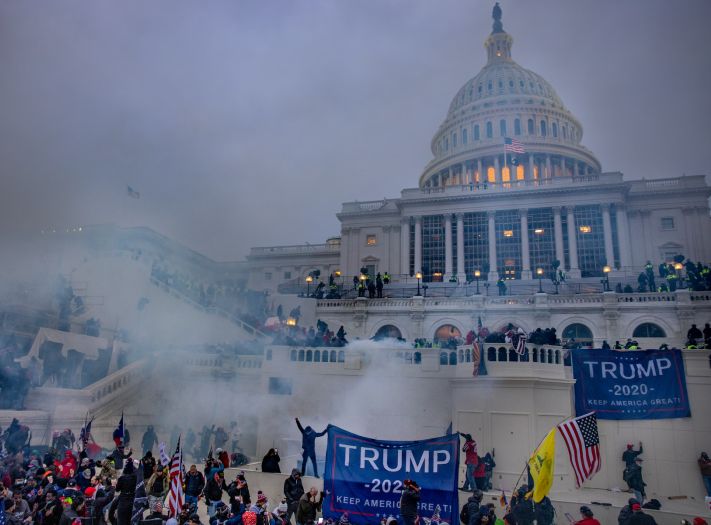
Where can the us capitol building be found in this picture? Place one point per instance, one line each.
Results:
(483, 211)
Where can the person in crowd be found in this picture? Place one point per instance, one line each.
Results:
(149, 439)
(148, 464)
(480, 473)
(623, 518)
(489, 466)
(639, 517)
(157, 487)
(309, 505)
(521, 507)
(194, 485)
(293, 490)
(126, 487)
(471, 461)
(705, 468)
(694, 334)
(633, 477)
(470, 511)
(270, 462)
(544, 512)
(379, 285)
(308, 444)
(630, 455)
(588, 517)
(214, 487)
(10, 514)
(409, 502)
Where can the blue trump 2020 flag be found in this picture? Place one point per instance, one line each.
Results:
(648, 384)
(364, 477)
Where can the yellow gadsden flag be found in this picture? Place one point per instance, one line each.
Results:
(541, 467)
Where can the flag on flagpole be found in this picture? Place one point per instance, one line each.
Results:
(583, 442)
(476, 356)
(502, 500)
(85, 433)
(162, 454)
(132, 193)
(541, 465)
(176, 497)
(120, 433)
(513, 146)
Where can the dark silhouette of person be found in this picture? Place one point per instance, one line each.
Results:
(308, 443)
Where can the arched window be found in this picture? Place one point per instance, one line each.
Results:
(544, 128)
(490, 85)
(579, 332)
(452, 358)
(468, 356)
(301, 355)
(517, 126)
(388, 331)
(554, 129)
(491, 354)
(649, 330)
(446, 332)
(309, 356)
(324, 357)
(317, 356)
(513, 356)
(341, 356)
(489, 130)
(565, 131)
(476, 131)
(333, 357)
(465, 139)
(531, 129)
(501, 354)
(446, 144)
(292, 355)
(454, 140)
(502, 127)
(443, 358)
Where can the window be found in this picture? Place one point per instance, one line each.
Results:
(554, 129)
(446, 144)
(578, 331)
(667, 223)
(502, 127)
(476, 234)
(591, 243)
(517, 126)
(287, 275)
(541, 243)
(454, 140)
(544, 128)
(565, 132)
(508, 244)
(267, 276)
(464, 136)
(432, 246)
(489, 130)
(371, 240)
(649, 330)
(531, 131)
(476, 131)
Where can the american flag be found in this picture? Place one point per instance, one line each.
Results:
(85, 433)
(175, 498)
(583, 443)
(521, 344)
(476, 356)
(513, 145)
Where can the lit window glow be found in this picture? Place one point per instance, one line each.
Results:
(508, 233)
(585, 229)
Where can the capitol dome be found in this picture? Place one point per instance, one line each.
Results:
(506, 103)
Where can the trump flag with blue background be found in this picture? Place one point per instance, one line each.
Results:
(364, 477)
(649, 384)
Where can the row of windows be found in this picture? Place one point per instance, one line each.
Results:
(503, 131)
(509, 262)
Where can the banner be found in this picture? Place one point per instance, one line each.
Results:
(648, 384)
(364, 477)
(541, 466)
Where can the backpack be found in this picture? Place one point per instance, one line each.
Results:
(653, 504)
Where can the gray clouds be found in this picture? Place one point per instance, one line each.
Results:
(248, 123)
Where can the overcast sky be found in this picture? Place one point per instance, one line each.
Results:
(246, 123)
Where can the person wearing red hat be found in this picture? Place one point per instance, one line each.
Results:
(639, 517)
(588, 517)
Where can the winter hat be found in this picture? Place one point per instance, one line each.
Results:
(261, 498)
(86, 473)
(632, 501)
(636, 507)
(85, 461)
(249, 518)
(89, 492)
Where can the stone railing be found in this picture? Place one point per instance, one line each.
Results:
(295, 249)
(660, 297)
(118, 382)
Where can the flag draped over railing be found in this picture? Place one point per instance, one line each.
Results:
(176, 497)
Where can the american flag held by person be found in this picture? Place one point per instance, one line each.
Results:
(176, 497)
(583, 443)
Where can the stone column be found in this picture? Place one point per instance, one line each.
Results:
(480, 168)
(405, 245)
(558, 236)
(447, 247)
(418, 244)
(461, 274)
(607, 235)
(623, 238)
(563, 172)
(497, 169)
(573, 270)
(493, 270)
(549, 171)
(530, 167)
(525, 252)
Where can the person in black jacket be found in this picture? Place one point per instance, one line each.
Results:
(270, 463)
(213, 489)
(308, 443)
(473, 505)
(194, 483)
(293, 490)
(409, 501)
(126, 486)
(639, 517)
(623, 518)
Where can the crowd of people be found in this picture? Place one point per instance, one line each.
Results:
(294, 335)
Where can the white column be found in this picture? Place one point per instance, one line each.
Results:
(525, 253)
(497, 169)
(573, 271)
(405, 245)
(607, 235)
(623, 237)
(447, 247)
(529, 176)
(461, 274)
(418, 244)
(480, 168)
(558, 236)
(493, 270)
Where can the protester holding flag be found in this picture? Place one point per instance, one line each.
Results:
(176, 498)
(541, 466)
